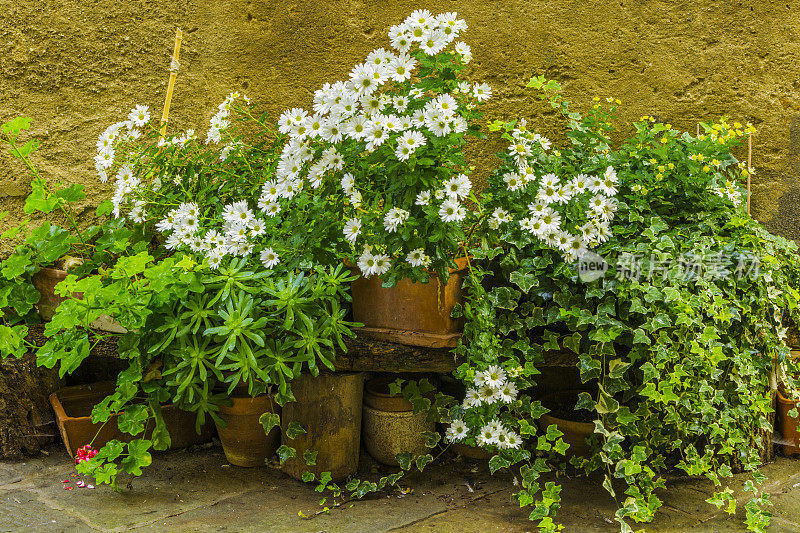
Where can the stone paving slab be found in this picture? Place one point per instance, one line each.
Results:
(195, 490)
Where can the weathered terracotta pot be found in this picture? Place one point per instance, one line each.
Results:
(45, 281)
(390, 424)
(410, 313)
(329, 408)
(471, 452)
(575, 433)
(786, 425)
(73, 409)
(243, 438)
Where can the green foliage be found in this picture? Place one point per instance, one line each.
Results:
(676, 361)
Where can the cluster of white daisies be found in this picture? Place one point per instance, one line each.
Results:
(491, 386)
(546, 216)
(378, 107)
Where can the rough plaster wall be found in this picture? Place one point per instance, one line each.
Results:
(76, 67)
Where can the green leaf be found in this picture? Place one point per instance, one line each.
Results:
(560, 447)
(73, 193)
(16, 125)
(497, 462)
(133, 419)
(104, 208)
(423, 460)
(269, 421)
(138, 456)
(524, 281)
(285, 452)
(308, 477)
(504, 298)
(553, 432)
(404, 459)
(294, 429)
(431, 438)
(310, 457)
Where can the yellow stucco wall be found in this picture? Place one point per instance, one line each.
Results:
(76, 67)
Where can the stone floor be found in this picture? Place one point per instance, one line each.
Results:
(196, 490)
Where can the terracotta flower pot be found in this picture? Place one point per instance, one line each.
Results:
(410, 313)
(73, 409)
(243, 438)
(787, 425)
(575, 433)
(329, 408)
(45, 281)
(390, 424)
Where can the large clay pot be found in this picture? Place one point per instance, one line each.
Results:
(786, 425)
(575, 433)
(328, 407)
(390, 424)
(73, 409)
(410, 313)
(243, 438)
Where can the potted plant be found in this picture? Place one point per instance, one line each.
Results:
(393, 137)
(640, 257)
(47, 252)
(211, 304)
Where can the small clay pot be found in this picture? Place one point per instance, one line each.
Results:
(575, 433)
(786, 425)
(390, 424)
(410, 313)
(471, 452)
(45, 281)
(243, 438)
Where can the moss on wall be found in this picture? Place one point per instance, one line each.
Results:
(76, 68)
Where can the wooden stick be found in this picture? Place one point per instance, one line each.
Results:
(173, 73)
(749, 166)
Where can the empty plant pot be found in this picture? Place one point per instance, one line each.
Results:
(328, 408)
(410, 313)
(73, 409)
(390, 424)
(243, 438)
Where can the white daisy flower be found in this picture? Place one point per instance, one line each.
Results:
(352, 229)
(452, 211)
(423, 198)
(457, 431)
(458, 186)
(418, 257)
(472, 398)
(394, 218)
(139, 115)
(269, 257)
(482, 92)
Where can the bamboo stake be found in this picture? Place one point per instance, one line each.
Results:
(749, 166)
(173, 73)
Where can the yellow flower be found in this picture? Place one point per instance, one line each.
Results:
(664, 140)
(668, 126)
(671, 166)
(715, 162)
(701, 157)
(659, 176)
(661, 168)
(596, 98)
(706, 168)
(653, 161)
(618, 101)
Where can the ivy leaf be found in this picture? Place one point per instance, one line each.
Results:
(431, 438)
(553, 432)
(605, 403)
(73, 193)
(497, 462)
(524, 281)
(573, 342)
(640, 337)
(310, 457)
(560, 447)
(504, 298)
(709, 334)
(285, 452)
(585, 401)
(294, 430)
(269, 421)
(352, 485)
(616, 368)
(308, 476)
(423, 460)
(404, 459)
(138, 456)
(105, 207)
